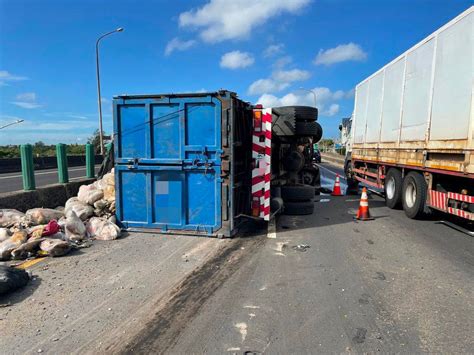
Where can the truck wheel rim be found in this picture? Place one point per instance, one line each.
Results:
(390, 188)
(410, 195)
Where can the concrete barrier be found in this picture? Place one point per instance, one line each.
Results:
(49, 196)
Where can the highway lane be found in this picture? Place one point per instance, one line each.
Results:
(13, 181)
(391, 285)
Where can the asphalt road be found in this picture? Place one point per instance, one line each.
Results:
(13, 181)
(390, 285)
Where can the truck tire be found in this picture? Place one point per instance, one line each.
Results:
(298, 208)
(319, 134)
(352, 184)
(306, 128)
(414, 193)
(297, 192)
(300, 113)
(393, 188)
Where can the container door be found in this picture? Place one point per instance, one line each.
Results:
(169, 163)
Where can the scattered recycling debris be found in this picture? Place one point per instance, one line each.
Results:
(55, 232)
(12, 279)
(301, 247)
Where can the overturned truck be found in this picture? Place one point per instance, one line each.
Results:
(203, 163)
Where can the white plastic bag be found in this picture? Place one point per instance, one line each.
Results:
(55, 247)
(82, 210)
(9, 217)
(89, 194)
(42, 215)
(74, 228)
(4, 234)
(102, 229)
(7, 246)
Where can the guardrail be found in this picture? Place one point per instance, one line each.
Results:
(28, 166)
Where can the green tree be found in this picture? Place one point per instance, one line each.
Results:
(95, 140)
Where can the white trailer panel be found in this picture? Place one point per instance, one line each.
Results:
(417, 110)
(416, 98)
(391, 110)
(374, 108)
(453, 82)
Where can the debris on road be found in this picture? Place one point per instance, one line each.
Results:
(301, 247)
(55, 232)
(9, 217)
(12, 279)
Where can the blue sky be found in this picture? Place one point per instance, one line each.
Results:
(263, 50)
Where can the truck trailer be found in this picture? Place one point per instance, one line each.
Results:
(203, 163)
(413, 126)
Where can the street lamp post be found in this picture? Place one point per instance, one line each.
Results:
(101, 138)
(311, 91)
(11, 124)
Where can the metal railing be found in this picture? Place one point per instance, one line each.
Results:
(28, 167)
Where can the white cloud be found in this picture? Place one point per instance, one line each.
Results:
(236, 60)
(282, 62)
(6, 77)
(341, 53)
(178, 45)
(26, 100)
(273, 49)
(291, 75)
(27, 105)
(27, 96)
(266, 85)
(326, 100)
(279, 80)
(221, 20)
(332, 110)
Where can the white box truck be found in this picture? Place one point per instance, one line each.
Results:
(413, 127)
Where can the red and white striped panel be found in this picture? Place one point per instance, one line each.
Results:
(261, 174)
(461, 197)
(461, 213)
(438, 200)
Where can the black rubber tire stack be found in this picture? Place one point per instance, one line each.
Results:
(298, 199)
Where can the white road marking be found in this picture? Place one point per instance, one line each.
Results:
(242, 327)
(233, 349)
(43, 173)
(271, 229)
(252, 307)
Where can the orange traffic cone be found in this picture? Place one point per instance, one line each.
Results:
(337, 187)
(363, 213)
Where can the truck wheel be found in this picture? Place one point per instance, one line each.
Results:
(297, 192)
(306, 128)
(352, 184)
(298, 208)
(414, 195)
(319, 134)
(300, 113)
(393, 188)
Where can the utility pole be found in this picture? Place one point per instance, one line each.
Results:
(101, 138)
(11, 124)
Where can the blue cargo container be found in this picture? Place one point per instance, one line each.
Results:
(182, 162)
